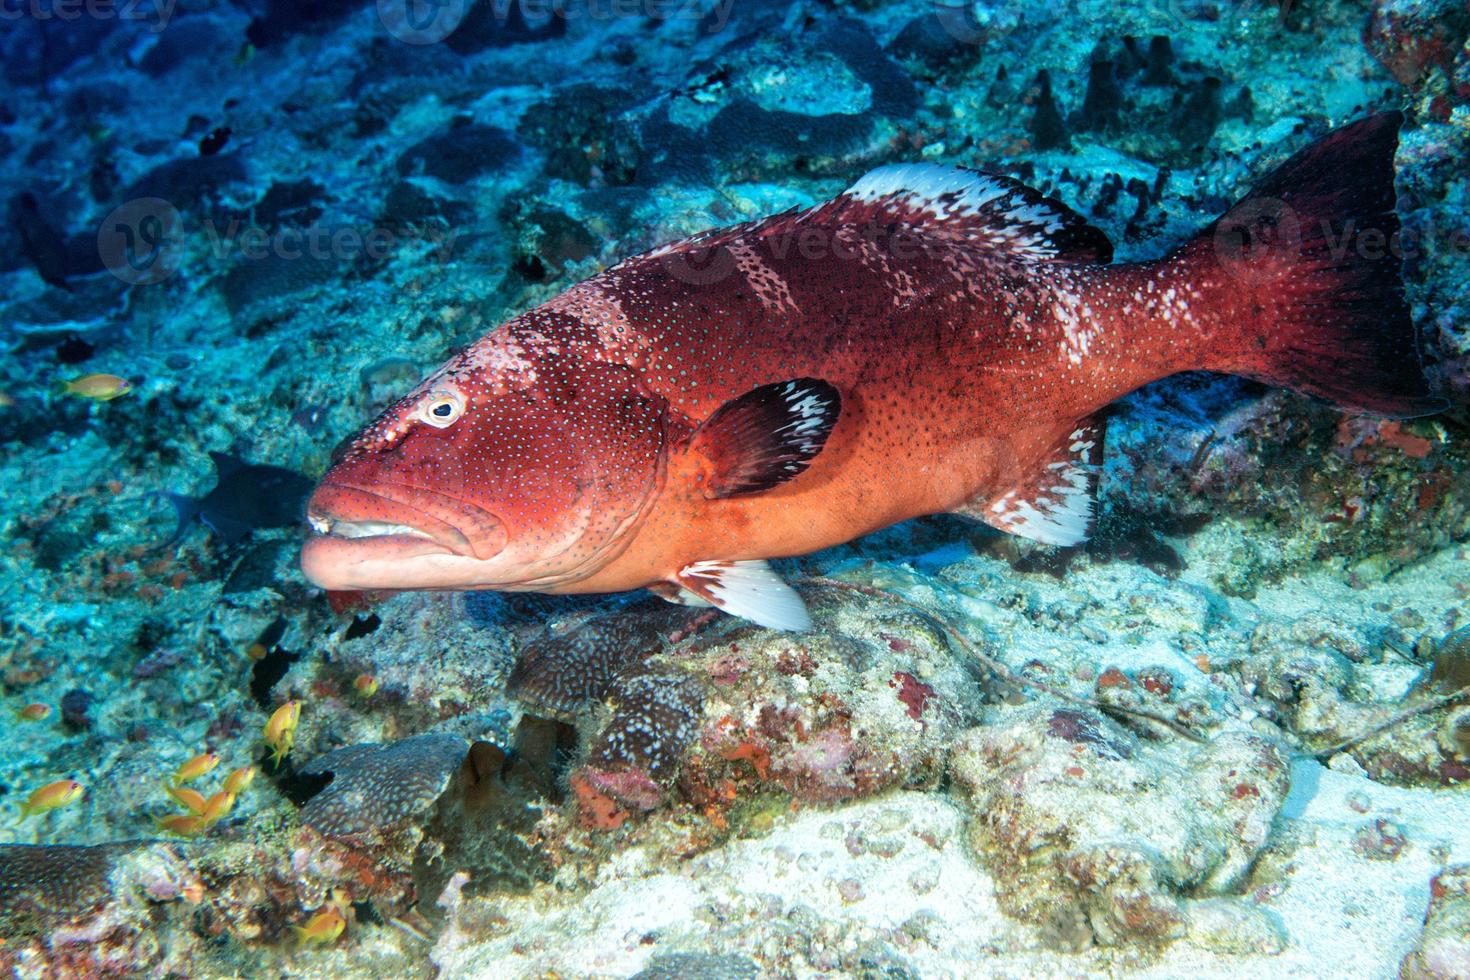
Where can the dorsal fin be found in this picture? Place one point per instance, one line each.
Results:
(1052, 502)
(990, 210)
(225, 464)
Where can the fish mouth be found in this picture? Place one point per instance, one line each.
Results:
(338, 528)
(395, 537)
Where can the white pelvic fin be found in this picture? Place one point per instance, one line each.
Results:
(681, 596)
(749, 589)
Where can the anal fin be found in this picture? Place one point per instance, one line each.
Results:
(749, 589)
(1053, 501)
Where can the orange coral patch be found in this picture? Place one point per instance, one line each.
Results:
(596, 811)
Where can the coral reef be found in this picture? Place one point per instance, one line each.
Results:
(1443, 950)
(375, 786)
(1100, 835)
(1225, 737)
(44, 883)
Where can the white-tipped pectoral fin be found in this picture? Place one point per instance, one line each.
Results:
(748, 589)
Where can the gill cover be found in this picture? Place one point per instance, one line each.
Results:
(567, 464)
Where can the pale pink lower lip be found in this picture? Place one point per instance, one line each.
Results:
(351, 564)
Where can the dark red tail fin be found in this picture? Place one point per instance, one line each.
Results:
(1310, 264)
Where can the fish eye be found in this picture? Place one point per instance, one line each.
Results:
(442, 409)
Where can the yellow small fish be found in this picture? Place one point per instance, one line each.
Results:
(98, 387)
(366, 685)
(256, 651)
(282, 748)
(239, 780)
(282, 722)
(191, 799)
(195, 767)
(50, 796)
(183, 824)
(218, 806)
(324, 927)
(280, 730)
(33, 712)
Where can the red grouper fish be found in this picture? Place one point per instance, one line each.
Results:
(932, 340)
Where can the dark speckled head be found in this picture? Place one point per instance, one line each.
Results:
(521, 464)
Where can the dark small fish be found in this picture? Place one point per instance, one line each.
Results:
(246, 497)
(311, 417)
(41, 240)
(74, 350)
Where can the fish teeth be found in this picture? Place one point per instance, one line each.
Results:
(361, 529)
(373, 529)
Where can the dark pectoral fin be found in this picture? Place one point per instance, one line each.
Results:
(1053, 502)
(766, 436)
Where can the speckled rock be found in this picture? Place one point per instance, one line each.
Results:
(708, 714)
(431, 660)
(1212, 458)
(89, 911)
(41, 882)
(1409, 37)
(1326, 683)
(375, 786)
(1078, 818)
(1443, 950)
(569, 666)
(867, 701)
(698, 966)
